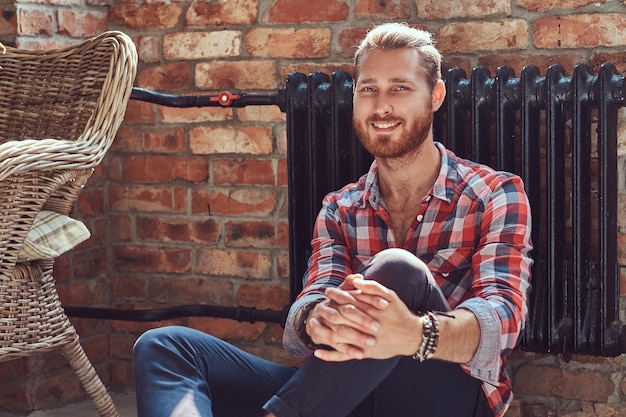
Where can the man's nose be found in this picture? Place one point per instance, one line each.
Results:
(383, 107)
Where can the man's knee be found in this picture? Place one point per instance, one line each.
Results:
(396, 268)
(407, 275)
(154, 339)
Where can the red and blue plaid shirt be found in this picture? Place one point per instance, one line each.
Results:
(473, 232)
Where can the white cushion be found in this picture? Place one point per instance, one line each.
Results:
(51, 235)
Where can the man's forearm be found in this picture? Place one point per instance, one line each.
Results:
(459, 336)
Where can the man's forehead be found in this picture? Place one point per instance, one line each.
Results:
(390, 65)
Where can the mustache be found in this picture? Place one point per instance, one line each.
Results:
(378, 119)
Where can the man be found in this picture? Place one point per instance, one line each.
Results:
(416, 287)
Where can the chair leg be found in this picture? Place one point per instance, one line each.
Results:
(87, 375)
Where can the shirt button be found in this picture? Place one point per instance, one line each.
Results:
(445, 274)
(420, 218)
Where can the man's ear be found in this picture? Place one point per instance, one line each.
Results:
(439, 94)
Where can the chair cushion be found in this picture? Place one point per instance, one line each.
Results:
(51, 235)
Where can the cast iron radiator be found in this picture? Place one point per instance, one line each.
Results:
(558, 132)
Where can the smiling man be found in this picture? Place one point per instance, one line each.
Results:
(416, 288)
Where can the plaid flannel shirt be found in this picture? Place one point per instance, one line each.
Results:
(473, 232)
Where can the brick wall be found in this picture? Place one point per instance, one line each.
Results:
(190, 205)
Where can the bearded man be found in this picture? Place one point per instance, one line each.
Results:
(416, 289)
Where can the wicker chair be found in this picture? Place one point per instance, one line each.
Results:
(59, 112)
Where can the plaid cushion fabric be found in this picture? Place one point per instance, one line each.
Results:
(51, 235)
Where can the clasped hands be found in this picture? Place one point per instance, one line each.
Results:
(363, 319)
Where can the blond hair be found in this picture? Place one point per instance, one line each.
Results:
(391, 36)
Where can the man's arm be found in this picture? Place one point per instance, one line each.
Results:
(370, 321)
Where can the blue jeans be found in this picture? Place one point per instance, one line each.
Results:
(184, 372)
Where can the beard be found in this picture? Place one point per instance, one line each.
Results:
(412, 136)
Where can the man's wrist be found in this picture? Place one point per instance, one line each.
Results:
(430, 337)
(301, 321)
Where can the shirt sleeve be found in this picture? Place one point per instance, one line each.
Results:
(327, 267)
(502, 265)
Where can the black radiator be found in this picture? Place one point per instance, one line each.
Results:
(558, 132)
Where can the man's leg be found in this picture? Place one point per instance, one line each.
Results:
(332, 389)
(181, 372)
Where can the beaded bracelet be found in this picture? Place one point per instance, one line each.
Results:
(430, 337)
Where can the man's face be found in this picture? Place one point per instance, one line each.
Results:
(393, 109)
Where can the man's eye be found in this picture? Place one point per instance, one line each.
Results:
(368, 89)
(400, 88)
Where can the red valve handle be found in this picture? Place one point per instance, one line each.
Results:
(225, 98)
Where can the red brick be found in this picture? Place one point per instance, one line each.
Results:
(243, 171)
(289, 43)
(121, 228)
(212, 140)
(125, 287)
(8, 20)
(178, 229)
(299, 11)
(96, 347)
(264, 296)
(483, 35)
(261, 114)
(147, 198)
(200, 45)
(580, 31)
(122, 346)
(584, 385)
(283, 235)
(250, 234)
(190, 290)
(255, 140)
(231, 12)
(84, 23)
(148, 49)
(226, 139)
(609, 410)
(168, 77)
(232, 263)
(148, 16)
(151, 259)
(350, 38)
(251, 201)
(122, 373)
(239, 75)
(36, 21)
(376, 9)
(139, 112)
(281, 148)
(545, 5)
(282, 265)
(90, 263)
(195, 115)
(228, 329)
(91, 201)
(434, 9)
(128, 139)
(165, 140)
(49, 392)
(616, 58)
(165, 168)
(76, 293)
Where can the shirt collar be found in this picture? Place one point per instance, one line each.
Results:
(443, 188)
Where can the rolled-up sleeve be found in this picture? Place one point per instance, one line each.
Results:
(501, 266)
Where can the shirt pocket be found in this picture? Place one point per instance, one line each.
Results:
(450, 264)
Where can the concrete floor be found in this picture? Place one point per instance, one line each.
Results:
(125, 403)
